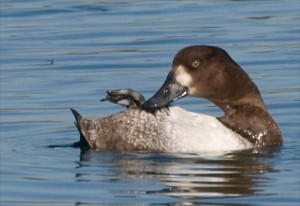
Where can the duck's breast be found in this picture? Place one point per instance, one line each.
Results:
(195, 132)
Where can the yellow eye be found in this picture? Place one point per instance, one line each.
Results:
(195, 64)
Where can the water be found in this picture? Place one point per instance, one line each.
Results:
(61, 54)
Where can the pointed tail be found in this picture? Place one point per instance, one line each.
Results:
(82, 142)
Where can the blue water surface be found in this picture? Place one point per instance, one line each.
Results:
(61, 54)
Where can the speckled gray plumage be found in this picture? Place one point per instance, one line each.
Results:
(129, 130)
(168, 130)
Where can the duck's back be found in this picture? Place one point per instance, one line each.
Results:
(169, 130)
(132, 129)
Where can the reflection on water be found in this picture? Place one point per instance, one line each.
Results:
(182, 176)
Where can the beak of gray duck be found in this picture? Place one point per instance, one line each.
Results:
(170, 91)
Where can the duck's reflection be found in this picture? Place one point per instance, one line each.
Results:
(181, 175)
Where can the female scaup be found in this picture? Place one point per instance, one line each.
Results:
(197, 71)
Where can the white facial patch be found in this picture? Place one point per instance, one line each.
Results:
(182, 77)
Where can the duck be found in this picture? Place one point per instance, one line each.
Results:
(199, 71)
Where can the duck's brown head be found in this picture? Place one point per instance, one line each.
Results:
(206, 72)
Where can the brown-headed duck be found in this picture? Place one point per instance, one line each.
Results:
(197, 71)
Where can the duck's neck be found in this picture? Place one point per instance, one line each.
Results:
(251, 119)
(253, 100)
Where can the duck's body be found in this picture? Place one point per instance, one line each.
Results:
(198, 71)
(136, 129)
